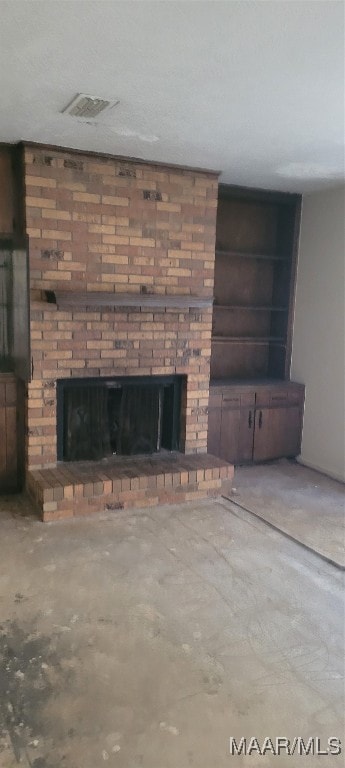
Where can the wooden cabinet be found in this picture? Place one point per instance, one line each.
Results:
(237, 425)
(6, 192)
(214, 421)
(14, 319)
(8, 433)
(255, 422)
(255, 413)
(277, 432)
(12, 215)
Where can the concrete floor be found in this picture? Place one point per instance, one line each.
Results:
(147, 639)
(304, 504)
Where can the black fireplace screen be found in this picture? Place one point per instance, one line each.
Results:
(97, 418)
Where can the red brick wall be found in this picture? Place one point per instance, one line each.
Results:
(103, 224)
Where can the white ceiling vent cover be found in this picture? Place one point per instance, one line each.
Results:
(88, 107)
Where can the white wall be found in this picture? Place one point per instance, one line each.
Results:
(318, 357)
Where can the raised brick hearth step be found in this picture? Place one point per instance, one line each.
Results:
(81, 488)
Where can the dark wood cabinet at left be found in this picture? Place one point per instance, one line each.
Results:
(7, 200)
(11, 192)
(8, 433)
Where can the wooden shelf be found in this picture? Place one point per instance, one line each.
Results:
(76, 299)
(247, 255)
(251, 307)
(255, 257)
(249, 339)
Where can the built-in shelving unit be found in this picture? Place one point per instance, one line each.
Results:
(254, 279)
(255, 412)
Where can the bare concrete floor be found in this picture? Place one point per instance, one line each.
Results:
(304, 504)
(147, 639)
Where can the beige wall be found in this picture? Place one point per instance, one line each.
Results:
(318, 358)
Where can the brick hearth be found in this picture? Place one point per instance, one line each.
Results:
(82, 488)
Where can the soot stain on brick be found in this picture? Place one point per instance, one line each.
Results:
(25, 689)
(75, 165)
(114, 505)
(42, 160)
(129, 172)
(52, 253)
(153, 195)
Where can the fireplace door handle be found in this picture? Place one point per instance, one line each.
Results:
(250, 421)
(260, 419)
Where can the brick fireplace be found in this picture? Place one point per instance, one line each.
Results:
(121, 282)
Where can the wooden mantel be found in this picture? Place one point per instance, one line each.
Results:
(68, 299)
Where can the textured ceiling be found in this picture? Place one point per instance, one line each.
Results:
(254, 89)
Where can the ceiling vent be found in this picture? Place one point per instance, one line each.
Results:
(88, 107)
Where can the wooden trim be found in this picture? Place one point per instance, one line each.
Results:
(292, 288)
(249, 340)
(258, 195)
(93, 299)
(249, 255)
(251, 307)
(18, 170)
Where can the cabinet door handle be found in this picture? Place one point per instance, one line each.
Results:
(250, 419)
(260, 419)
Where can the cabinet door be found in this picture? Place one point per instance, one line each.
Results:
(213, 435)
(8, 448)
(277, 433)
(6, 192)
(246, 436)
(236, 435)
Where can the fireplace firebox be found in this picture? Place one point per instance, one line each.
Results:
(125, 416)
